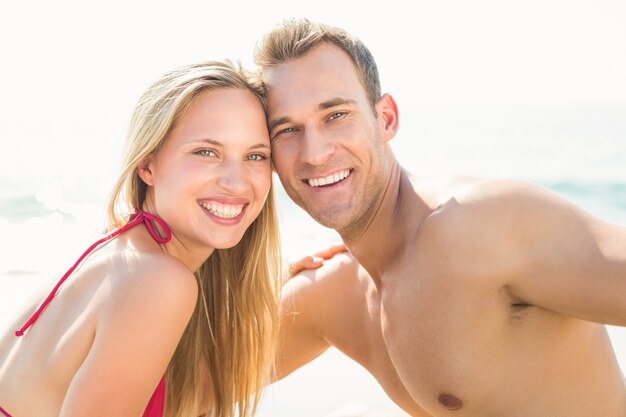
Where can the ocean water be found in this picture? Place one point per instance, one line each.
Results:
(47, 218)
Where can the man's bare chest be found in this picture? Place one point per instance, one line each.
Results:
(456, 341)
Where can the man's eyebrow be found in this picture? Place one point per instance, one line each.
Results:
(276, 122)
(337, 101)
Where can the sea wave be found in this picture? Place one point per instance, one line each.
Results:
(42, 226)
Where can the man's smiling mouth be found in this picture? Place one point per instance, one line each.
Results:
(329, 179)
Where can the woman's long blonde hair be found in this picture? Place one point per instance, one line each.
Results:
(233, 330)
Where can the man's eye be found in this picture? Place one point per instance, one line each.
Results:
(336, 115)
(287, 130)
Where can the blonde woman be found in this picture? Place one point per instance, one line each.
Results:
(174, 312)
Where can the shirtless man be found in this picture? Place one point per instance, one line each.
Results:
(483, 298)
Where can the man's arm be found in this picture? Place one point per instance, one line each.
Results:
(300, 341)
(546, 251)
(308, 301)
(571, 262)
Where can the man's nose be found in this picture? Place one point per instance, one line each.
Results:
(317, 147)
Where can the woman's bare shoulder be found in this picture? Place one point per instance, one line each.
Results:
(155, 282)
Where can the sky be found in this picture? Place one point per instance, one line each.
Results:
(73, 70)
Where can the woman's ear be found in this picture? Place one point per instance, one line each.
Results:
(145, 171)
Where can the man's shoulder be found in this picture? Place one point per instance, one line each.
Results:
(340, 270)
(481, 221)
(339, 280)
(467, 202)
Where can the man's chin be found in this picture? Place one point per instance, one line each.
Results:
(330, 219)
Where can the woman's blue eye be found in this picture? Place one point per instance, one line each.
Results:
(257, 157)
(205, 152)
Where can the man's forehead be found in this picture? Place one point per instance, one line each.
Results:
(291, 102)
(322, 78)
(323, 60)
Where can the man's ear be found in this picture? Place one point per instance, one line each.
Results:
(388, 117)
(145, 171)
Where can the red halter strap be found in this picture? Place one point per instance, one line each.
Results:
(136, 218)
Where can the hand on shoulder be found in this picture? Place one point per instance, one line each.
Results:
(314, 261)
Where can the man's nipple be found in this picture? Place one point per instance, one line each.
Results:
(450, 401)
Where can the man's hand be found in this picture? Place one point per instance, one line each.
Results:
(313, 261)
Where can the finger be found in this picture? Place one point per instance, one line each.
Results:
(332, 251)
(308, 262)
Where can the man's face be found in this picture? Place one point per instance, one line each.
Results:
(327, 145)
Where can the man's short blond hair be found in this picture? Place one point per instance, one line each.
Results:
(293, 38)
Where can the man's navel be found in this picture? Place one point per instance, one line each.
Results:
(450, 401)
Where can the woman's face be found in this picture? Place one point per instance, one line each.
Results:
(212, 176)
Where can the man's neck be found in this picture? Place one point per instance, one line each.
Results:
(398, 215)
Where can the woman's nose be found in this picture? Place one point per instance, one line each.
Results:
(233, 177)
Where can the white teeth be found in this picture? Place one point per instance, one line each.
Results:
(331, 179)
(225, 211)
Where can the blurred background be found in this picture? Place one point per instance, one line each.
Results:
(533, 90)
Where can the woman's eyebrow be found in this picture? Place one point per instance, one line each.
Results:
(260, 146)
(214, 142)
(207, 140)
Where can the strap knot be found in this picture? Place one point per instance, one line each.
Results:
(135, 218)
